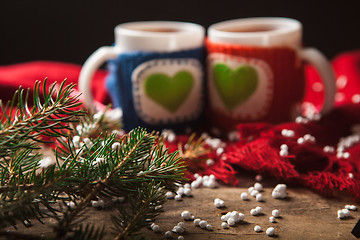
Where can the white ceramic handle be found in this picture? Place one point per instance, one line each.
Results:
(322, 65)
(94, 61)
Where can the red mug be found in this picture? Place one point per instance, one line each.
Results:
(256, 71)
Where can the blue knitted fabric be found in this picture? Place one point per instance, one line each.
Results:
(119, 84)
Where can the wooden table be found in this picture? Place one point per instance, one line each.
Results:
(304, 215)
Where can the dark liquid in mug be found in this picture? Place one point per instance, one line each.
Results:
(250, 29)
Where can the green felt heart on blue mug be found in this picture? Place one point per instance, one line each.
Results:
(235, 86)
(169, 92)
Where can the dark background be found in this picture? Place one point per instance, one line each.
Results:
(70, 31)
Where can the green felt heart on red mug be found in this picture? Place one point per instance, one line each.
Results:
(169, 92)
(235, 86)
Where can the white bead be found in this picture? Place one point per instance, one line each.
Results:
(180, 191)
(253, 212)
(224, 218)
(195, 184)
(209, 227)
(283, 152)
(203, 224)
(156, 228)
(329, 149)
(168, 234)
(181, 224)
(259, 209)
(346, 155)
(346, 212)
(257, 228)
(197, 221)
(210, 162)
(235, 216)
(220, 151)
(275, 213)
(186, 215)
(169, 195)
(270, 231)
(180, 237)
(284, 146)
(272, 219)
(254, 193)
(258, 186)
(244, 196)
(300, 140)
(178, 198)
(71, 205)
(231, 222)
(187, 185)
(353, 208)
(280, 188)
(340, 214)
(224, 225)
(250, 189)
(188, 192)
(178, 229)
(196, 175)
(241, 216)
(259, 197)
(115, 146)
(217, 204)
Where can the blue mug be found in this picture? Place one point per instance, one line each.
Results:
(156, 74)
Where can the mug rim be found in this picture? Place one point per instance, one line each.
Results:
(283, 31)
(133, 29)
(287, 25)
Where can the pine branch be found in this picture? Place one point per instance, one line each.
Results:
(46, 118)
(142, 207)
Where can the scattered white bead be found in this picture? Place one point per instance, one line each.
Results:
(231, 222)
(340, 214)
(284, 146)
(219, 203)
(178, 229)
(71, 205)
(180, 237)
(272, 219)
(254, 193)
(301, 119)
(275, 213)
(178, 198)
(209, 227)
(115, 146)
(329, 149)
(258, 187)
(46, 162)
(244, 196)
(350, 175)
(210, 162)
(186, 215)
(254, 212)
(98, 204)
(195, 184)
(197, 221)
(270, 231)
(351, 207)
(168, 234)
(346, 155)
(156, 228)
(180, 191)
(203, 223)
(250, 189)
(187, 192)
(224, 225)
(279, 191)
(220, 151)
(283, 152)
(259, 197)
(300, 140)
(169, 195)
(259, 209)
(196, 175)
(257, 228)
(287, 133)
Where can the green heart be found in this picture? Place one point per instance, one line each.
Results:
(169, 92)
(235, 86)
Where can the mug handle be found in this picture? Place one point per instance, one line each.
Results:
(92, 63)
(322, 65)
